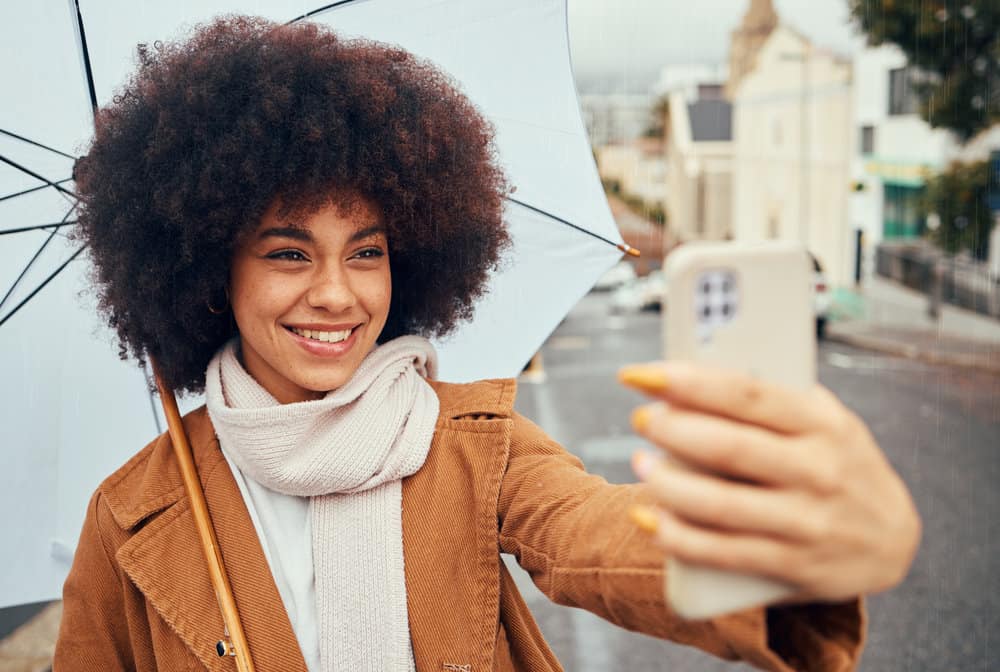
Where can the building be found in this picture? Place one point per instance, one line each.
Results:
(616, 118)
(792, 149)
(635, 170)
(698, 142)
(894, 150)
(686, 78)
(747, 39)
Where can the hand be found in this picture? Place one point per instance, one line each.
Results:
(786, 484)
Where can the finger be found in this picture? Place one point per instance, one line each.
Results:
(724, 446)
(714, 502)
(746, 554)
(730, 394)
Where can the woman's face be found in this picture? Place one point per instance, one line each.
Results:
(310, 297)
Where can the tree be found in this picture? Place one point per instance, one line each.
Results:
(658, 116)
(954, 44)
(958, 197)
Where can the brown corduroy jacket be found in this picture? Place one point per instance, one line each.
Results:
(139, 598)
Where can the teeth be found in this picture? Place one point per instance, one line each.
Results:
(324, 336)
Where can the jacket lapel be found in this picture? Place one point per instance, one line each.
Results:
(450, 544)
(165, 561)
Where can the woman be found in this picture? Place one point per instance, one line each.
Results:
(279, 217)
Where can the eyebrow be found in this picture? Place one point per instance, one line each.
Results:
(366, 232)
(286, 232)
(296, 233)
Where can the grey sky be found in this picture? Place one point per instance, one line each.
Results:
(621, 43)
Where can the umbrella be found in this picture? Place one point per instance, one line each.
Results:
(511, 59)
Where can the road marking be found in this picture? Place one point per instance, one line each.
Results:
(616, 322)
(569, 343)
(840, 360)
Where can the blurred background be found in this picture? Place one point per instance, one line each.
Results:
(869, 131)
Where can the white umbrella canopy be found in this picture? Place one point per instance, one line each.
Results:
(71, 411)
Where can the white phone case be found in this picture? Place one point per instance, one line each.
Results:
(746, 306)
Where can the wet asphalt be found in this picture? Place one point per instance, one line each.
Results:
(939, 426)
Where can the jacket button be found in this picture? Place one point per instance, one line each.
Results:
(221, 648)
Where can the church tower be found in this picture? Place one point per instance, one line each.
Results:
(747, 39)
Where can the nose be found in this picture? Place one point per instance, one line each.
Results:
(331, 289)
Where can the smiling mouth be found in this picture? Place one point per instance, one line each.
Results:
(322, 336)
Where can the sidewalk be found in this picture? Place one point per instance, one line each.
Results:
(887, 317)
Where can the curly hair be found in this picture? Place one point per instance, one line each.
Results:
(211, 130)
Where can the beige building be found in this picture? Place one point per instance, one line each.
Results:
(699, 152)
(747, 39)
(793, 141)
(637, 167)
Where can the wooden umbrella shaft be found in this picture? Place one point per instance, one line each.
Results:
(237, 642)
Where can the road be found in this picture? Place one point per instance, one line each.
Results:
(939, 427)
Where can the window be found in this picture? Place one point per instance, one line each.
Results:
(700, 206)
(867, 140)
(901, 215)
(773, 227)
(902, 92)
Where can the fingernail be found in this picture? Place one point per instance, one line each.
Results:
(642, 463)
(640, 418)
(645, 518)
(645, 377)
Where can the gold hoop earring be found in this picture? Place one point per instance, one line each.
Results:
(218, 311)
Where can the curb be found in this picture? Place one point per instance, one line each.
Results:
(980, 363)
(30, 647)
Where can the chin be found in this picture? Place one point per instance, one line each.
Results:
(324, 385)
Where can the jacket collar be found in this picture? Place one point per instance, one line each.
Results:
(165, 561)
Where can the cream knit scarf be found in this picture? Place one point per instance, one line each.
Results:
(347, 452)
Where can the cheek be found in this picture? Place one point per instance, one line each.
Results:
(255, 300)
(379, 295)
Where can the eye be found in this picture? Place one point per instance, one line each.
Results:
(370, 253)
(287, 255)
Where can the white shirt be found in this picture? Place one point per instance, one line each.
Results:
(284, 528)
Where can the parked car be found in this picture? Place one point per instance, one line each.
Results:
(645, 293)
(821, 298)
(616, 276)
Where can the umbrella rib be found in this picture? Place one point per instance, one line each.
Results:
(39, 227)
(27, 268)
(86, 58)
(321, 9)
(41, 286)
(37, 144)
(38, 253)
(33, 189)
(622, 247)
(35, 175)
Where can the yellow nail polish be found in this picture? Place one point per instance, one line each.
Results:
(644, 518)
(640, 418)
(643, 377)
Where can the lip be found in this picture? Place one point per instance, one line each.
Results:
(321, 349)
(323, 326)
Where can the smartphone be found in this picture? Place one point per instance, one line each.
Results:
(749, 307)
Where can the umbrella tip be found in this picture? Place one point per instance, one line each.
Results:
(629, 250)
